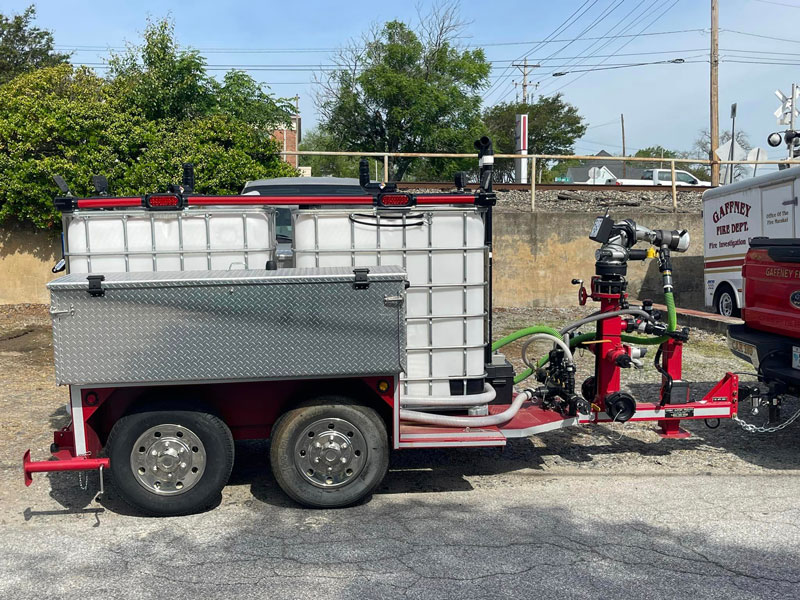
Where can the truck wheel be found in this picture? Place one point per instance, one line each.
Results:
(170, 462)
(330, 452)
(725, 302)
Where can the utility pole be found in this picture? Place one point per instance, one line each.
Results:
(714, 130)
(524, 68)
(622, 122)
(525, 81)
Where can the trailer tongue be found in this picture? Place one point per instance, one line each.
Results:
(379, 338)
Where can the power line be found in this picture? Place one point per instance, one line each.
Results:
(646, 27)
(778, 3)
(758, 35)
(240, 50)
(564, 25)
(614, 122)
(625, 27)
(611, 30)
(606, 12)
(602, 67)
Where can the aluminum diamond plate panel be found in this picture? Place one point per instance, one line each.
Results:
(223, 325)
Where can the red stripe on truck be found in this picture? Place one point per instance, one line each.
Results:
(713, 264)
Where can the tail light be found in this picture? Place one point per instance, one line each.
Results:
(395, 200)
(163, 202)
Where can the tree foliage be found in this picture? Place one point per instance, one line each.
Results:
(553, 127)
(406, 90)
(326, 166)
(136, 127)
(702, 149)
(24, 47)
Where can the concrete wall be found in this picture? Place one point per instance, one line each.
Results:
(536, 255)
(26, 258)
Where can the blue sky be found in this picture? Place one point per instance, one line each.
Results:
(663, 104)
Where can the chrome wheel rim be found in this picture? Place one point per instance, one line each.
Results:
(168, 459)
(725, 305)
(330, 453)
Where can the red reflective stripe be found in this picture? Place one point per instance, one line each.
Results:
(446, 199)
(713, 264)
(273, 200)
(277, 200)
(108, 202)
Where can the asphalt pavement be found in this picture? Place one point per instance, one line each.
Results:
(530, 534)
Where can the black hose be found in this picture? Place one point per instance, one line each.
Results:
(667, 376)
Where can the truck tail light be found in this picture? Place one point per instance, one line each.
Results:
(395, 200)
(163, 202)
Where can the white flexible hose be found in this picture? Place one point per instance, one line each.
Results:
(546, 336)
(449, 421)
(484, 397)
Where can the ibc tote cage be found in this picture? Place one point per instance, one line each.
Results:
(384, 201)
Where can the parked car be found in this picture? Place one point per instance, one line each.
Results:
(663, 177)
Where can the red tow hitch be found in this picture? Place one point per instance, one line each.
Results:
(65, 461)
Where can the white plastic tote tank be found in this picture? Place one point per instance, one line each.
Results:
(443, 251)
(190, 239)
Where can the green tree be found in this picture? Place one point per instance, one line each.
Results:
(553, 127)
(702, 149)
(24, 47)
(226, 153)
(61, 120)
(68, 121)
(406, 90)
(658, 152)
(162, 81)
(662, 155)
(326, 166)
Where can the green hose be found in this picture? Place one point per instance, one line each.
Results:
(523, 333)
(672, 317)
(672, 324)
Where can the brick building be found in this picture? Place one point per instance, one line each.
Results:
(289, 137)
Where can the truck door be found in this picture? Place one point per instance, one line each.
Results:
(777, 210)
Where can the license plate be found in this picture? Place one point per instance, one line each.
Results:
(750, 351)
(796, 357)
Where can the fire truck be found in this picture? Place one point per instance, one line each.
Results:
(177, 334)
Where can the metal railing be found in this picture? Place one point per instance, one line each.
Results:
(533, 158)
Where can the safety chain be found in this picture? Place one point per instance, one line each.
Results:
(749, 427)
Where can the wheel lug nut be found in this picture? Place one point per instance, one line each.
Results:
(317, 445)
(343, 459)
(183, 465)
(155, 469)
(344, 446)
(330, 469)
(153, 452)
(316, 460)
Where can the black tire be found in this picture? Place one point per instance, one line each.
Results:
(341, 417)
(216, 443)
(725, 301)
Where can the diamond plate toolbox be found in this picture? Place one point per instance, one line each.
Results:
(228, 325)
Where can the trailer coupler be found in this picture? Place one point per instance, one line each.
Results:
(65, 461)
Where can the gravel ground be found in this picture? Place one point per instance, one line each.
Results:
(594, 512)
(588, 201)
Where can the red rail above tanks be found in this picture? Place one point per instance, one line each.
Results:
(177, 201)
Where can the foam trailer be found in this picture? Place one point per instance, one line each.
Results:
(177, 335)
